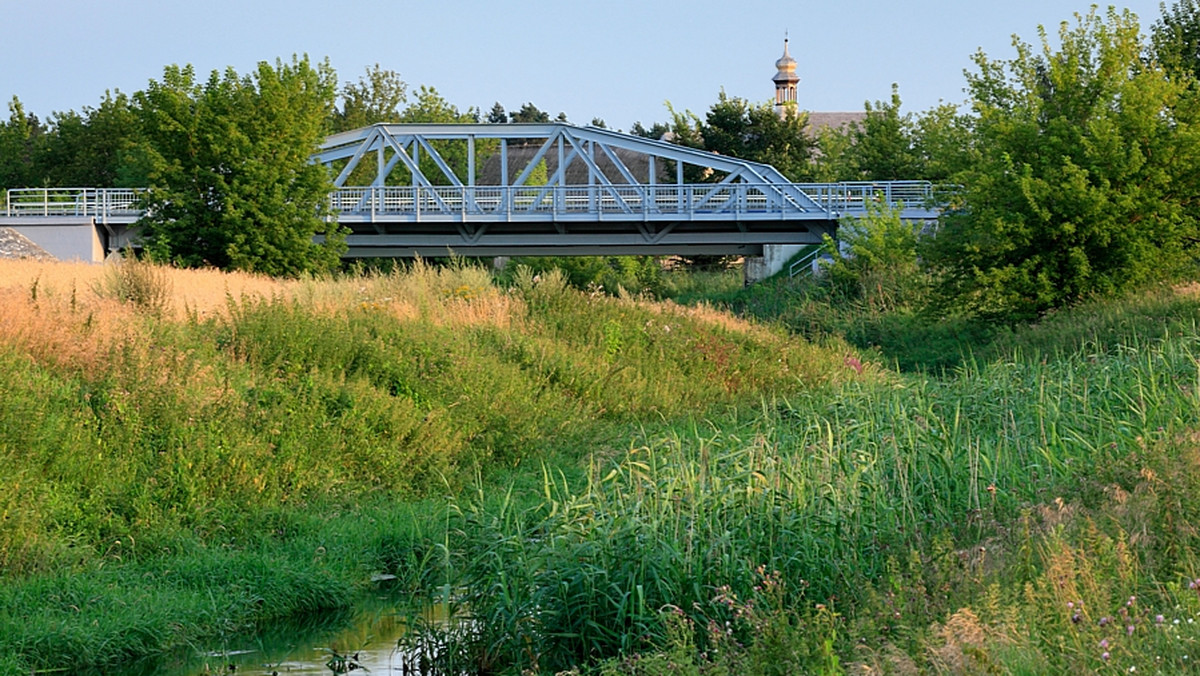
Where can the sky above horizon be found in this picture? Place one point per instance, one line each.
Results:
(620, 61)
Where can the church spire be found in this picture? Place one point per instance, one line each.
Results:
(785, 81)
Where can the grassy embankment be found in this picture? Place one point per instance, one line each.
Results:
(218, 450)
(704, 496)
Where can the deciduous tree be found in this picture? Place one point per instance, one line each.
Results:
(1084, 175)
(1175, 38)
(18, 138)
(90, 148)
(227, 162)
(376, 97)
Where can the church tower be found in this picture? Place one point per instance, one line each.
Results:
(785, 82)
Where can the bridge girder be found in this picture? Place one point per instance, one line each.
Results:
(603, 154)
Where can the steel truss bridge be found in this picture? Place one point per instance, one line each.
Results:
(535, 189)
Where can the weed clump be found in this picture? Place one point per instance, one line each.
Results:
(141, 283)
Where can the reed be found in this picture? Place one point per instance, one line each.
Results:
(588, 479)
(863, 498)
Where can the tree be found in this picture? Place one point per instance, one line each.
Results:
(430, 106)
(1083, 178)
(883, 146)
(497, 114)
(529, 113)
(227, 163)
(875, 260)
(376, 97)
(737, 128)
(91, 148)
(655, 131)
(1175, 38)
(18, 139)
(943, 143)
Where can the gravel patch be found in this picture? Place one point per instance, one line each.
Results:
(15, 245)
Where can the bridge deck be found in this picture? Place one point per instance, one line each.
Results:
(602, 192)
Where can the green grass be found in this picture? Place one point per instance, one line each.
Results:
(610, 483)
(209, 441)
(872, 494)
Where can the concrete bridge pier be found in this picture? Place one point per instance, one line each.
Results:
(67, 238)
(775, 256)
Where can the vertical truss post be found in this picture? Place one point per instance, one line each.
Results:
(471, 160)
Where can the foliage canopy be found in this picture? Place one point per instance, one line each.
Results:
(1082, 179)
(227, 165)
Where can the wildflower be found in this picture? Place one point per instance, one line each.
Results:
(1158, 619)
(1131, 600)
(1070, 604)
(1076, 618)
(1103, 643)
(1132, 669)
(1104, 655)
(1129, 630)
(1104, 621)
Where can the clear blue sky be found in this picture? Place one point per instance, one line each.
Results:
(618, 60)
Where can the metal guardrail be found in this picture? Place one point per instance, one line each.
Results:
(804, 264)
(96, 202)
(748, 201)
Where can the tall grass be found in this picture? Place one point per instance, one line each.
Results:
(867, 498)
(632, 484)
(135, 440)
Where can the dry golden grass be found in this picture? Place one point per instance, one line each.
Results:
(707, 314)
(203, 292)
(448, 296)
(51, 330)
(960, 646)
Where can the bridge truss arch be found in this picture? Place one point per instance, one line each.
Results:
(560, 189)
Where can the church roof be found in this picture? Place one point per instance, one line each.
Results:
(837, 121)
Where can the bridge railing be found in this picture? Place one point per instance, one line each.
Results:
(763, 201)
(734, 199)
(96, 202)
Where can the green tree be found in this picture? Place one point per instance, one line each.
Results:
(735, 127)
(1083, 180)
(497, 114)
(376, 97)
(655, 131)
(91, 148)
(529, 113)
(1175, 38)
(875, 259)
(227, 163)
(943, 143)
(18, 140)
(883, 147)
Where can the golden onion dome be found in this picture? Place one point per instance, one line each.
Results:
(786, 66)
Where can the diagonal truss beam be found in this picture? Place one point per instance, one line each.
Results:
(582, 141)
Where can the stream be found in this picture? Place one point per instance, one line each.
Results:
(359, 641)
